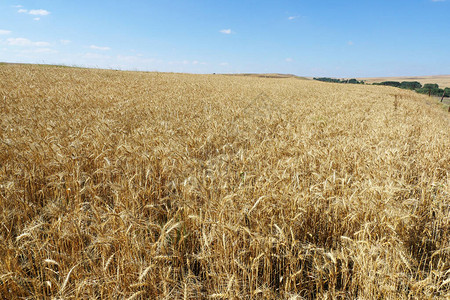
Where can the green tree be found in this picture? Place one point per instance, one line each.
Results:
(431, 89)
(410, 85)
(431, 86)
(354, 81)
(447, 92)
(391, 83)
(327, 79)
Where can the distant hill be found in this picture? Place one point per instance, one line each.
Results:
(269, 75)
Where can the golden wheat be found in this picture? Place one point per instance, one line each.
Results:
(172, 186)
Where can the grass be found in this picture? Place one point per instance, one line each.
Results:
(173, 186)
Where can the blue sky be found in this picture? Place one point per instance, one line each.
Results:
(304, 37)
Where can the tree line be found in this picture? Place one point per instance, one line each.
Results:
(431, 89)
(334, 80)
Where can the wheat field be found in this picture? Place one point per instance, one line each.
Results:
(133, 185)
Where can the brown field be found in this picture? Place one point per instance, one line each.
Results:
(129, 185)
(269, 75)
(442, 80)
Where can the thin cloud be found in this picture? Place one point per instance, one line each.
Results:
(4, 32)
(95, 56)
(23, 42)
(350, 43)
(289, 59)
(99, 48)
(65, 42)
(196, 62)
(39, 12)
(224, 64)
(187, 62)
(45, 50)
(36, 19)
(226, 31)
(34, 12)
(437, 0)
(17, 6)
(40, 50)
(292, 18)
(135, 59)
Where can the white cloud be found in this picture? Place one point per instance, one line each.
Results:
(226, 31)
(95, 56)
(292, 18)
(41, 44)
(196, 62)
(99, 48)
(186, 62)
(119, 61)
(40, 50)
(17, 6)
(45, 50)
(39, 12)
(34, 12)
(25, 42)
(134, 59)
(289, 59)
(4, 32)
(65, 42)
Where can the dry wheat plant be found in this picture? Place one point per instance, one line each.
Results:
(133, 185)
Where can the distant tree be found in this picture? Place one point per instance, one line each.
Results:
(431, 86)
(354, 81)
(334, 80)
(447, 92)
(431, 89)
(391, 83)
(410, 85)
(327, 79)
(438, 92)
